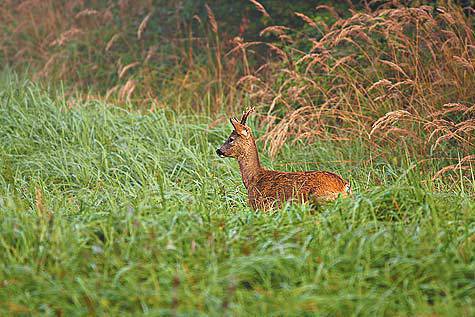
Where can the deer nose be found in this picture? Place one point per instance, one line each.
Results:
(219, 152)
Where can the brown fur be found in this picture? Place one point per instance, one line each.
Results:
(266, 188)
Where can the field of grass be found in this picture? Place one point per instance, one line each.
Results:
(112, 212)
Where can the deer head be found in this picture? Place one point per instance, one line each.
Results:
(240, 141)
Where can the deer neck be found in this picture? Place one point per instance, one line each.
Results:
(249, 165)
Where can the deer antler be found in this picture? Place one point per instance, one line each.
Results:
(246, 114)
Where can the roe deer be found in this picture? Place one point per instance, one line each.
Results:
(266, 188)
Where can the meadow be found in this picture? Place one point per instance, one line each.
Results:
(105, 211)
(113, 201)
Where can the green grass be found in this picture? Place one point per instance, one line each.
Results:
(109, 212)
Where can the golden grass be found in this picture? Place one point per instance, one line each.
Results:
(394, 76)
(111, 50)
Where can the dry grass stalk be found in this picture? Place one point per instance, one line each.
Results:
(143, 25)
(39, 203)
(212, 19)
(111, 91)
(126, 91)
(379, 83)
(330, 9)
(389, 118)
(306, 19)
(87, 13)
(260, 8)
(456, 167)
(248, 78)
(276, 29)
(150, 53)
(111, 42)
(394, 66)
(469, 65)
(277, 50)
(453, 107)
(124, 69)
(66, 36)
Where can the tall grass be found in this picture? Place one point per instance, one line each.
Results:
(397, 76)
(389, 76)
(110, 212)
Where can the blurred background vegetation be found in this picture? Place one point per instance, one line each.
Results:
(101, 45)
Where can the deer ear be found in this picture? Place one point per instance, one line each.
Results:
(246, 114)
(241, 129)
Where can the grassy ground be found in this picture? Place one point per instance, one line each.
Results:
(109, 212)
